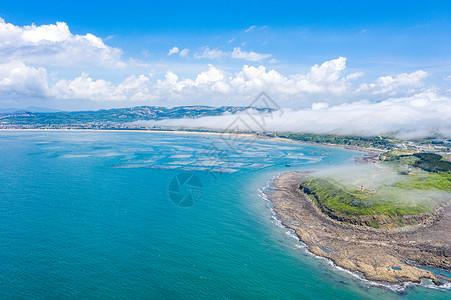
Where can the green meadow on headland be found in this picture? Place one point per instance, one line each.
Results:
(423, 180)
(423, 171)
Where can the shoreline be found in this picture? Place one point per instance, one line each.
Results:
(370, 152)
(386, 257)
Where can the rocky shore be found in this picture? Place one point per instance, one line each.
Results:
(392, 256)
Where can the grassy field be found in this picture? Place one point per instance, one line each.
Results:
(422, 171)
(390, 201)
(409, 184)
(427, 181)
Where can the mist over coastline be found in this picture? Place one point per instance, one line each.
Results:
(406, 117)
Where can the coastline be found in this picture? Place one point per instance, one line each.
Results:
(388, 257)
(369, 152)
(125, 130)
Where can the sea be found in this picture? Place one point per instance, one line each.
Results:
(161, 215)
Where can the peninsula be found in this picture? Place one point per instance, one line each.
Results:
(386, 238)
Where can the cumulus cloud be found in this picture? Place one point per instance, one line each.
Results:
(134, 88)
(323, 86)
(17, 79)
(54, 44)
(418, 115)
(393, 85)
(173, 50)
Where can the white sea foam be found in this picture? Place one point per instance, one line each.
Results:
(291, 233)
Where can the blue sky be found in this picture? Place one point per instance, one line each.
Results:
(369, 32)
(106, 17)
(224, 52)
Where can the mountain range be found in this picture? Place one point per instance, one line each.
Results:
(117, 115)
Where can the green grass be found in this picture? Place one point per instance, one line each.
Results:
(426, 177)
(429, 162)
(388, 201)
(361, 141)
(427, 181)
(432, 162)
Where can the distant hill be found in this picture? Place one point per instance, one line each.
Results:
(116, 115)
(34, 109)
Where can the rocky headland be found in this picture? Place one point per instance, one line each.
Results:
(386, 254)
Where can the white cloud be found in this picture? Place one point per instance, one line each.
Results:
(206, 52)
(251, 56)
(319, 106)
(355, 75)
(328, 71)
(211, 76)
(250, 28)
(54, 44)
(323, 85)
(134, 88)
(237, 53)
(173, 50)
(184, 52)
(393, 85)
(17, 79)
(254, 27)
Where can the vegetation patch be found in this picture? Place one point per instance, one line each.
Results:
(427, 181)
(432, 162)
(359, 141)
(407, 200)
(333, 197)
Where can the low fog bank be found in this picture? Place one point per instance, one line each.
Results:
(382, 179)
(411, 117)
(370, 176)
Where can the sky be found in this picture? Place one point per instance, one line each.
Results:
(308, 56)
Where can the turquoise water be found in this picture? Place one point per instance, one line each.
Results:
(88, 215)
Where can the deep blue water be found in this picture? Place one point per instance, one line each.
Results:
(88, 215)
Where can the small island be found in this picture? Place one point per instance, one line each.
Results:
(399, 232)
